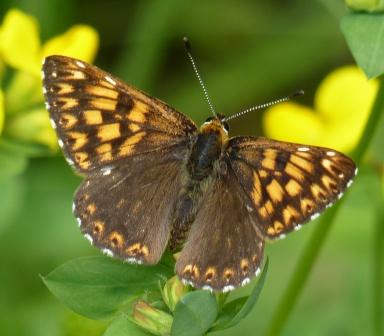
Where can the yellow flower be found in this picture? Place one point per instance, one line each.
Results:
(341, 107)
(20, 46)
(21, 49)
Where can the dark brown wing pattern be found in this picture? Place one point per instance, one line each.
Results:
(287, 184)
(127, 213)
(224, 249)
(100, 120)
(131, 148)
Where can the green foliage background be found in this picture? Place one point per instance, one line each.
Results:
(248, 52)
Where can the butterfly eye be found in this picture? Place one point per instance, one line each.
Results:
(226, 126)
(209, 119)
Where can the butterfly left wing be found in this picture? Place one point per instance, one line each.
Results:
(128, 212)
(130, 146)
(100, 120)
(287, 184)
(223, 249)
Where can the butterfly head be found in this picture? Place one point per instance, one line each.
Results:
(216, 125)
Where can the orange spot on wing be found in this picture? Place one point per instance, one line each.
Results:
(67, 120)
(210, 273)
(278, 226)
(269, 161)
(328, 182)
(80, 139)
(91, 208)
(98, 227)
(301, 162)
(81, 159)
(318, 192)
(228, 273)
(263, 173)
(295, 172)
(105, 152)
(244, 264)
(138, 112)
(275, 191)
(266, 210)
(128, 145)
(67, 103)
(256, 191)
(108, 132)
(293, 188)
(134, 127)
(104, 104)
(93, 117)
(116, 239)
(64, 88)
(307, 205)
(290, 214)
(101, 91)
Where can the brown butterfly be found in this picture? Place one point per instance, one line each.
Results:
(153, 179)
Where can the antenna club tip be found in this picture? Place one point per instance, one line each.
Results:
(187, 44)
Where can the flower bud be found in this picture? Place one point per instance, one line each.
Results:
(154, 320)
(173, 291)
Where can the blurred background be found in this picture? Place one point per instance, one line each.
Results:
(248, 52)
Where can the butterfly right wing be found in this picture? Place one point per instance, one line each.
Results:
(286, 184)
(223, 249)
(100, 120)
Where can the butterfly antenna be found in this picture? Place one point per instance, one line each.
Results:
(188, 48)
(258, 107)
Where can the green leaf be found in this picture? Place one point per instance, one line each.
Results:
(121, 326)
(97, 287)
(366, 5)
(233, 312)
(365, 37)
(194, 314)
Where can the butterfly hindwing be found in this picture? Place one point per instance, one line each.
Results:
(288, 184)
(127, 213)
(100, 120)
(223, 250)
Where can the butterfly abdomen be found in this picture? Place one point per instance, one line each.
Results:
(205, 152)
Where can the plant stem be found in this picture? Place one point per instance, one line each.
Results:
(378, 276)
(372, 122)
(312, 250)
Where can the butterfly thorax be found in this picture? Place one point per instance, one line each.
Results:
(203, 158)
(206, 149)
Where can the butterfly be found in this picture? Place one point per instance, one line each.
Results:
(154, 180)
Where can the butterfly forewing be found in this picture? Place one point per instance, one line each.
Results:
(101, 120)
(287, 184)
